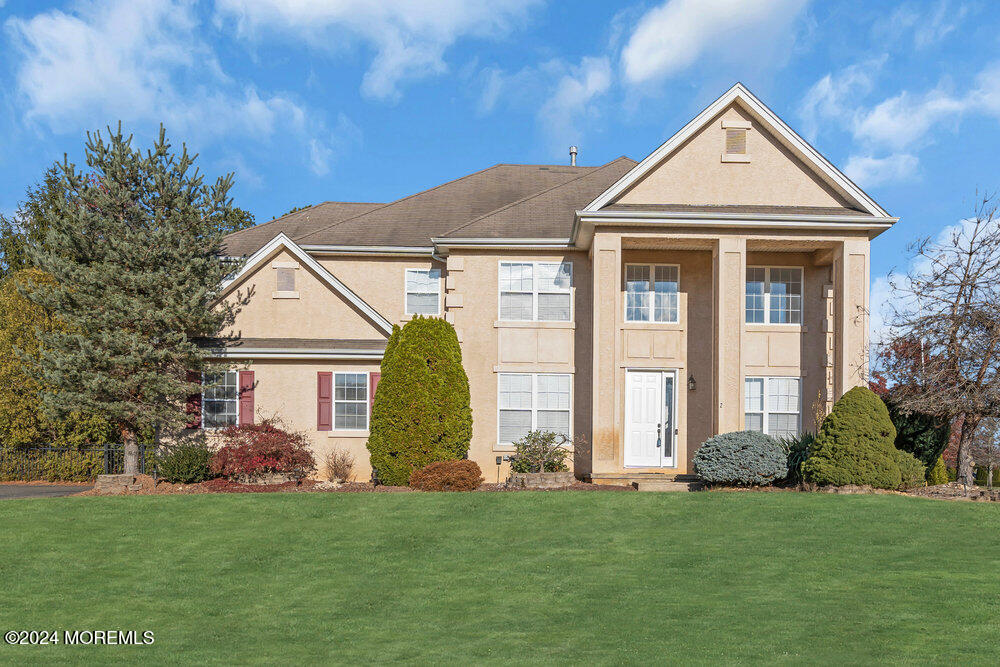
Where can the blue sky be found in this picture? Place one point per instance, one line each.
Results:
(313, 100)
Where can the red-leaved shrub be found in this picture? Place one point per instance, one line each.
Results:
(460, 475)
(254, 450)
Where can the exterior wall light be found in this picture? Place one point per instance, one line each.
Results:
(691, 383)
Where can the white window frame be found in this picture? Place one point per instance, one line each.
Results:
(334, 401)
(767, 296)
(534, 404)
(407, 292)
(765, 413)
(535, 292)
(201, 406)
(651, 293)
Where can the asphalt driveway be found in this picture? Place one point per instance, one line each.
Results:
(10, 491)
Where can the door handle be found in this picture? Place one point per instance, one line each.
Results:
(659, 440)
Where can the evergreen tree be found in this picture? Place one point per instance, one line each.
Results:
(132, 247)
(422, 410)
(28, 226)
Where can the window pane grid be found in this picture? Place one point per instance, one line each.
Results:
(536, 291)
(651, 293)
(530, 402)
(220, 399)
(423, 291)
(350, 401)
(773, 295)
(772, 405)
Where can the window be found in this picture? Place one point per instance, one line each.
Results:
(773, 295)
(649, 300)
(350, 401)
(220, 400)
(535, 291)
(772, 405)
(423, 291)
(533, 402)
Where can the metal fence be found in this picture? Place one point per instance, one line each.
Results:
(70, 464)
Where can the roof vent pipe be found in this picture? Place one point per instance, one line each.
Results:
(572, 156)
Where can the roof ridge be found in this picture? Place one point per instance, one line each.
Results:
(396, 201)
(536, 194)
(304, 208)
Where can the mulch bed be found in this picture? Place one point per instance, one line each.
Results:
(153, 487)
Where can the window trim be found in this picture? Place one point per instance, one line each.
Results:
(764, 411)
(407, 292)
(333, 403)
(650, 294)
(571, 290)
(767, 296)
(534, 403)
(201, 405)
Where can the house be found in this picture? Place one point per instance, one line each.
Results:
(719, 284)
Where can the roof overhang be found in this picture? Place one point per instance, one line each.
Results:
(279, 242)
(785, 134)
(295, 353)
(380, 251)
(586, 221)
(445, 245)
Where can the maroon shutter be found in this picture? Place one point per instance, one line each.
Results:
(373, 379)
(246, 398)
(193, 407)
(324, 401)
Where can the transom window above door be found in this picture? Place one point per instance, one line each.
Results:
(773, 295)
(536, 291)
(651, 292)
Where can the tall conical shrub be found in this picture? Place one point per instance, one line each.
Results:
(422, 410)
(855, 444)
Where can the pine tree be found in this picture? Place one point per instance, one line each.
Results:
(132, 246)
(29, 224)
(422, 410)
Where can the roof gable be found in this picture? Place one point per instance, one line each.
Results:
(784, 170)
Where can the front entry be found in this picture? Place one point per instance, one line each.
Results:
(650, 423)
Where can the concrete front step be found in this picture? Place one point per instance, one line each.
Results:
(667, 485)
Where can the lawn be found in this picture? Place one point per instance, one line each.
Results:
(493, 577)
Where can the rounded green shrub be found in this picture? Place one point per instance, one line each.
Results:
(855, 444)
(744, 458)
(186, 463)
(938, 473)
(421, 413)
(911, 470)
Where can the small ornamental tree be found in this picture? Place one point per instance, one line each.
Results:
(132, 245)
(855, 444)
(421, 412)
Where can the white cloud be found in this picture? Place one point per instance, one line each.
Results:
(832, 97)
(678, 33)
(928, 25)
(904, 120)
(409, 38)
(143, 62)
(869, 171)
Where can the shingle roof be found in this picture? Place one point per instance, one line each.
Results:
(536, 200)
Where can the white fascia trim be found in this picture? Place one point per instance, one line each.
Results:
(524, 244)
(755, 106)
(407, 251)
(280, 241)
(249, 353)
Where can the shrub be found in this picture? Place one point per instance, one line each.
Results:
(254, 450)
(421, 412)
(911, 470)
(746, 458)
(339, 464)
(540, 451)
(921, 435)
(799, 447)
(462, 475)
(855, 444)
(186, 463)
(952, 474)
(938, 473)
(982, 476)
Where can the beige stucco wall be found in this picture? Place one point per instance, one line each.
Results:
(380, 280)
(696, 174)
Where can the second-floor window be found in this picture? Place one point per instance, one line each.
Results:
(773, 295)
(651, 292)
(423, 291)
(538, 291)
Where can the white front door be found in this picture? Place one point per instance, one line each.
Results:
(649, 419)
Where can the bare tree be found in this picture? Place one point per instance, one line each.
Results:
(985, 448)
(942, 351)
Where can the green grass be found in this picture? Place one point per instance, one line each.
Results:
(487, 577)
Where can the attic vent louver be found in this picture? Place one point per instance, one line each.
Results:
(736, 141)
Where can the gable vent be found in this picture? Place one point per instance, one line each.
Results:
(736, 141)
